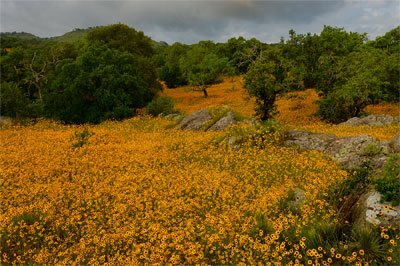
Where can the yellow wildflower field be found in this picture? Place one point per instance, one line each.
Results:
(296, 109)
(139, 192)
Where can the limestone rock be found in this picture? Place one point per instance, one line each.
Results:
(371, 210)
(371, 120)
(393, 145)
(224, 122)
(352, 151)
(195, 121)
(307, 140)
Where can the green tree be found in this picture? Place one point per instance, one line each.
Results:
(100, 84)
(171, 71)
(126, 39)
(202, 67)
(270, 74)
(123, 38)
(361, 79)
(390, 42)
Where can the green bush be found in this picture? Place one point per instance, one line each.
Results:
(339, 105)
(81, 138)
(369, 240)
(172, 76)
(162, 105)
(388, 184)
(345, 195)
(13, 101)
(100, 84)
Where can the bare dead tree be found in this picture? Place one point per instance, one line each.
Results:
(251, 55)
(37, 75)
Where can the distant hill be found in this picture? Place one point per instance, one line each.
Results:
(72, 36)
(19, 35)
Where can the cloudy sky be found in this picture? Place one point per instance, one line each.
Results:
(195, 20)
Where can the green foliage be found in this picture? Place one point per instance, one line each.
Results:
(260, 83)
(13, 102)
(372, 150)
(100, 84)
(81, 138)
(345, 195)
(170, 69)
(172, 76)
(261, 227)
(368, 239)
(17, 238)
(268, 75)
(325, 234)
(202, 67)
(123, 38)
(388, 182)
(348, 73)
(390, 42)
(359, 79)
(161, 105)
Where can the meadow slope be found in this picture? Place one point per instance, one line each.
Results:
(139, 192)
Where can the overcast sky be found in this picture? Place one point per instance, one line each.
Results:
(192, 21)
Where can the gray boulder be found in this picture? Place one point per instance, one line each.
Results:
(224, 122)
(393, 145)
(348, 151)
(352, 151)
(309, 141)
(195, 121)
(371, 120)
(371, 210)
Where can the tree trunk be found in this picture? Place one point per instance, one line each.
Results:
(205, 92)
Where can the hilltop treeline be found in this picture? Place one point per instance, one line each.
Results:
(347, 70)
(115, 69)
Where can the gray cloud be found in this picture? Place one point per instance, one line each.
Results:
(192, 21)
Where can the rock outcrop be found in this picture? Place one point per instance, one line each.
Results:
(372, 120)
(224, 122)
(349, 152)
(371, 210)
(197, 121)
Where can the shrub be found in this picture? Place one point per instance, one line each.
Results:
(389, 182)
(367, 238)
(162, 105)
(100, 84)
(339, 105)
(81, 138)
(345, 195)
(13, 101)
